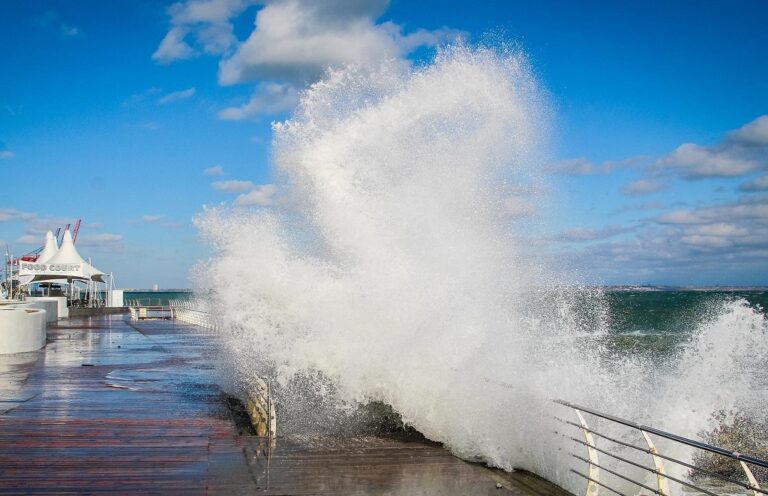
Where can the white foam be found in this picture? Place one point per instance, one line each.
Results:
(390, 267)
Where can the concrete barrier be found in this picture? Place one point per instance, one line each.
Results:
(51, 308)
(21, 329)
(63, 310)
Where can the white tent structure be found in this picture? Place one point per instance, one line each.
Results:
(50, 248)
(60, 265)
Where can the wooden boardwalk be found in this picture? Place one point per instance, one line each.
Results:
(118, 407)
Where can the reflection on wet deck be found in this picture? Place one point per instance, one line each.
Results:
(119, 407)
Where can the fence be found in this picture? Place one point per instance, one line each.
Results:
(622, 466)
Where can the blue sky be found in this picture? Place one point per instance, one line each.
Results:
(114, 111)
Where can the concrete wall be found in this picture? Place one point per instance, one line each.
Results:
(63, 310)
(92, 312)
(21, 329)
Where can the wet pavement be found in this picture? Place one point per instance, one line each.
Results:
(121, 407)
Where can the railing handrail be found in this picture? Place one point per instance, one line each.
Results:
(668, 435)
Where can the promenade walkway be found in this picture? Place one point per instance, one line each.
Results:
(119, 407)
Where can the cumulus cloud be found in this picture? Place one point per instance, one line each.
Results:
(291, 45)
(4, 152)
(11, 214)
(216, 170)
(582, 234)
(262, 195)
(207, 22)
(100, 240)
(697, 162)
(233, 186)
(751, 209)
(642, 187)
(757, 184)
(632, 207)
(582, 166)
(67, 31)
(28, 239)
(177, 96)
(51, 20)
(296, 40)
(267, 98)
(173, 47)
(754, 133)
(702, 244)
(742, 151)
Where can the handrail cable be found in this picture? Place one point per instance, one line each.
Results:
(687, 465)
(668, 435)
(655, 491)
(653, 471)
(598, 482)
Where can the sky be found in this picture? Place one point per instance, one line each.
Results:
(133, 115)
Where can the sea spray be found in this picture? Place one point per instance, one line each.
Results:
(391, 268)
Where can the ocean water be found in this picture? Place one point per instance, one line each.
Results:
(400, 264)
(657, 323)
(156, 297)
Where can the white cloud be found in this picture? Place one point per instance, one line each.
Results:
(754, 133)
(582, 166)
(11, 214)
(651, 205)
(233, 186)
(206, 21)
(261, 195)
(705, 244)
(757, 184)
(173, 47)
(151, 218)
(216, 170)
(697, 162)
(642, 187)
(296, 40)
(67, 31)
(267, 98)
(28, 239)
(717, 229)
(4, 154)
(137, 98)
(177, 96)
(51, 20)
(706, 241)
(99, 240)
(748, 209)
(581, 234)
(743, 150)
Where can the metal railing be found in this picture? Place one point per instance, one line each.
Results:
(594, 466)
(189, 311)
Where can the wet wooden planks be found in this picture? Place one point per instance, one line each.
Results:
(105, 408)
(115, 407)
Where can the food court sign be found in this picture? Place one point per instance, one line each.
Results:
(29, 267)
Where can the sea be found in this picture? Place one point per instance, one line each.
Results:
(159, 297)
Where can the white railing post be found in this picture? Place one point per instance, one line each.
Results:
(594, 463)
(661, 475)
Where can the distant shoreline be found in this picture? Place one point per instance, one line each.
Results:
(629, 287)
(169, 290)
